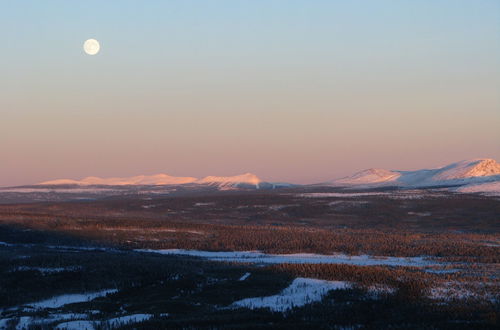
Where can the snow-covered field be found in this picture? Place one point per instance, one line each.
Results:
(106, 324)
(300, 258)
(59, 301)
(117, 321)
(76, 325)
(70, 321)
(26, 321)
(301, 291)
(46, 270)
(454, 290)
(342, 194)
(488, 188)
(401, 194)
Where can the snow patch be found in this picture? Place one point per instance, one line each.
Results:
(332, 194)
(232, 181)
(378, 290)
(47, 270)
(299, 258)
(122, 320)
(302, 291)
(25, 322)
(370, 176)
(76, 325)
(59, 301)
(488, 188)
(244, 277)
(204, 204)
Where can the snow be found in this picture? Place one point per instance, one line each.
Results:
(65, 316)
(4, 322)
(107, 324)
(25, 322)
(122, 320)
(244, 277)
(231, 181)
(449, 291)
(401, 194)
(78, 321)
(299, 258)
(158, 179)
(59, 301)
(76, 325)
(73, 321)
(47, 270)
(301, 291)
(373, 175)
(469, 169)
(442, 271)
(280, 207)
(157, 230)
(459, 173)
(488, 188)
(420, 214)
(204, 204)
(455, 290)
(335, 194)
(472, 171)
(378, 290)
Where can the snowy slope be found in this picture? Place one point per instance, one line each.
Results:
(247, 179)
(465, 172)
(223, 182)
(372, 175)
(489, 188)
(300, 292)
(159, 179)
(468, 169)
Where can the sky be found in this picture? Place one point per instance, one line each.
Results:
(294, 91)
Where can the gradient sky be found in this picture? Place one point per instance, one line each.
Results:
(297, 91)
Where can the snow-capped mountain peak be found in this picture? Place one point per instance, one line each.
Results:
(158, 179)
(247, 179)
(243, 180)
(372, 175)
(479, 167)
(459, 173)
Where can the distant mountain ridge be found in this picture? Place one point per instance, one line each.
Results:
(238, 180)
(158, 179)
(464, 172)
(243, 180)
(473, 175)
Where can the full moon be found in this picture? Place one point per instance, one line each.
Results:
(91, 46)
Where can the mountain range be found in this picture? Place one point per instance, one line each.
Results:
(474, 175)
(473, 171)
(238, 181)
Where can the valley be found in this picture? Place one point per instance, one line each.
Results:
(264, 258)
